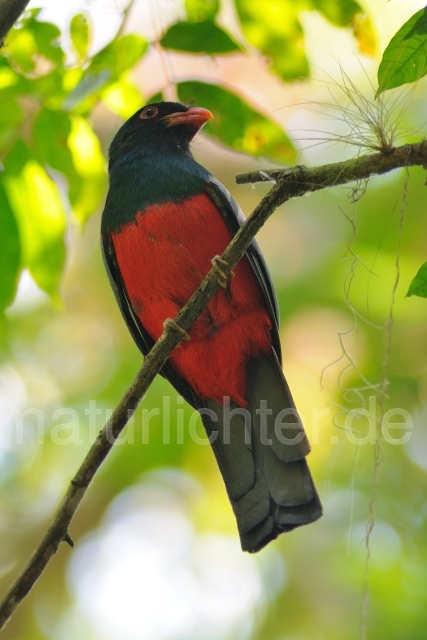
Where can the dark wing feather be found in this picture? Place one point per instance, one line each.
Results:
(234, 219)
(141, 337)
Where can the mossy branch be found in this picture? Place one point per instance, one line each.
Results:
(289, 183)
(300, 180)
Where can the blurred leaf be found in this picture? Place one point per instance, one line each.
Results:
(10, 252)
(347, 13)
(107, 67)
(21, 48)
(418, 286)
(32, 38)
(89, 163)
(10, 116)
(340, 13)
(157, 97)
(88, 88)
(47, 36)
(237, 125)
(199, 37)
(123, 97)
(274, 29)
(200, 10)
(50, 144)
(80, 34)
(7, 77)
(40, 214)
(404, 59)
(51, 130)
(68, 144)
(364, 32)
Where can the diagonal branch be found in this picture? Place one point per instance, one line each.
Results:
(289, 183)
(10, 10)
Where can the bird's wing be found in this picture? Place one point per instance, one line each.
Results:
(141, 337)
(234, 219)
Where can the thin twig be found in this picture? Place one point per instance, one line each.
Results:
(289, 183)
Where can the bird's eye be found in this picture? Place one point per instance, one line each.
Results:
(148, 112)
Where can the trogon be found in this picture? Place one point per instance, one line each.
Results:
(165, 219)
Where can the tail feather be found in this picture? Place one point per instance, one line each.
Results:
(279, 423)
(261, 454)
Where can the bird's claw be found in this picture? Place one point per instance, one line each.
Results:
(222, 280)
(67, 538)
(173, 325)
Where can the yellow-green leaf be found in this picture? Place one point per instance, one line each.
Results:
(123, 97)
(237, 125)
(39, 211)
(80, 34)
(200, 10)
(364, 32)
(274, 29)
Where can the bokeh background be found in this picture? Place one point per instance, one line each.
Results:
(156, 553)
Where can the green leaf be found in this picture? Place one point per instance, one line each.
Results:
(199, 37)
(107, 67)
(50, 137)
(237, 125)
(80, 34)
(47, 36)
(40, 215)
(120, 55)
(201, 10)
(418, 286)
(10, 252)
(275, 30)
(405, 59)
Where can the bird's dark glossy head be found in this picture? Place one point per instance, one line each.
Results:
(158, 127)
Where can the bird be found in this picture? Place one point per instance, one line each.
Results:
(165, 222)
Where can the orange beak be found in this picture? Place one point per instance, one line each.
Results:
(195, 117)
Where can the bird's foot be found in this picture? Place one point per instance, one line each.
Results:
(67, 538)
(222, 280)
(173, 325)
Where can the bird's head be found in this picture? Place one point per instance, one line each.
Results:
(158, 127)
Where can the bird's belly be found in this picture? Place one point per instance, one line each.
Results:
(163, 256)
